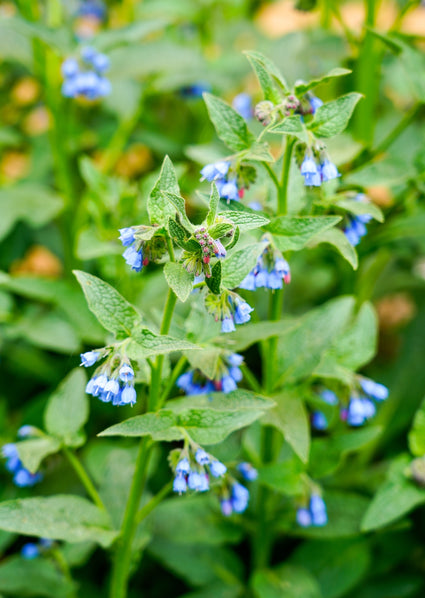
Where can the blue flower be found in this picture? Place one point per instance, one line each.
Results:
(228, 384)
(319, 421)
(229, 190)
(179, 484)
(126, 236)
(328, 171)
(88, 359)
(359, 411)
(315, 103)
(270, 272)
(88, 83)
(133, 258)
(311, 172)
(226, 507)
(183, 466)
(242, 103)
(240, 497)
(22, 477)
(329, 397)
(242, 312)
(111, 391)
(215, 171)
(205, 484)
(248, 472)
(30, 551)
(26, 431)
(196, 90)
(219, 249)
(100, 62)
(377, 391)
(126, 372)
(217, 469)
(195, 481)
(128, 395)
(227, 324)
(303, 517)
(202, 457)
(69, 68)
(315, 514)
(92, 8)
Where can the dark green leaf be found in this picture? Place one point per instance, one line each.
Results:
(294, 232)
(332, 118)
(287, 581)
(214, 282)
(301, 88)
(240, 263)
(32, 452)
(417, 433)
(230, 125)
(337, 239)
(40, 577)
(246, 220)
(214, 201)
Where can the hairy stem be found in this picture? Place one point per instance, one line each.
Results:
(84, 477)
(154, 501)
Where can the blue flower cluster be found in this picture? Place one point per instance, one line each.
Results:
(31, 550)
(236, 497)
(315, 174)
(240, 313)
(356, 227)
(193, 473)
(247, 471)
(116, 387)
(315, 515)
(194, 382)
(196, 90)
(218, 172)
(318, 418)
(90, 82)
(314, 102)
(362, 408)
(270, 272)
(242, 103)
(133, 254)
(92, 8)
(21, 476)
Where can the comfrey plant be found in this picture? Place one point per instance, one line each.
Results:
(247, 370)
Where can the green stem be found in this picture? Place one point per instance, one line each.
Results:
(250, 378)
(64, 567)
(282, 206)
(123, 549)
(178, 369)
(154, 501)
(272, 176)
(84, 478)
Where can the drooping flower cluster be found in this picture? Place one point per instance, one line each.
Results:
(194, 468)
(270, 272)
(142, 246)
(85, 78)
(228, 375)
(356, 228)
(197, 262)
(21, 476)
(315, 173)
(113, 381)
(235, 497)
(318, 418)
(242, 103)
(314, 514)
(32, 550)
(361, 408)
(226, 184)
(228, 308)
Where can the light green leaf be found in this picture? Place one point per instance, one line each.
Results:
(32, 452)
(207, 421)
(39, 578)
(287, 581)
(294, 232)
(146, 343)
(133, 33)
(360, 208)
(246, 220)
(240, 263)
(291, 125)
(337, 239)
(397, 496)
(269, 66)
(230, 126)
(214, 201)
(159, 207)
(259, 151)
(179, 280)
(114, 312)
(302, 88)
(291, 419)
(251, 333)
(61, 517)
(416, 436)
(266, 80)
(206, 360)
(332, 118)
(180, 205)
(284, 477)
(33, 203)
(68, 409)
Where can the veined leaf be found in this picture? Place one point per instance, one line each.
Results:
(230, 125)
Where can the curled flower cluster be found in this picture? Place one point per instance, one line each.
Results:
(32, 550)
(90, 82)
(194, 382)
(197, 262)
(229, 308)
(313, 515)
(315, 173)
(193, 470)
(219, 173)
(356, 228)
(242, 103)
(110, 382)
(361, 408)
(270, 272)
(21, 476)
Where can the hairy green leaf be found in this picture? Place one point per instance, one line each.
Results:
(332, 118)
(179, 280)
(159, 207)
(230, 125)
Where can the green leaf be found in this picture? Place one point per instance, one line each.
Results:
(269, 66)
(206, 360)
(159, 207)
(32, 452)
(337, 239)
(287, 581)
(230, 126)
(416, 436)
(284, 477)
(179, 280)
(146, 343)
(207, 422)
(260, 152)
(245, 220)
(68, 409)
(396, 497)
(292, 125)
(302, 88)
(251, 333)
(360, 207)
(180, 205)
(34, 204)
(240, 263)
(181, 236)
(214, 201)
(61, 517)
(133, 33)
(114, 312)
(294, 232)
(214, 282)
(332, 118)
(291, 419)
(39, 578)
(221, 229)
(266, 80)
